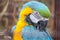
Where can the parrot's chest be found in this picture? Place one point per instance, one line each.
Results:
(30, 33)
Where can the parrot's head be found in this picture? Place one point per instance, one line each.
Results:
(35, 13)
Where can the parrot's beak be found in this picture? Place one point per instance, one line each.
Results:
(41, 25)
(37, 20)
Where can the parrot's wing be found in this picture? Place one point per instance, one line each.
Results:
(13, 28)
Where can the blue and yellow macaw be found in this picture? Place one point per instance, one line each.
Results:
(25, 31)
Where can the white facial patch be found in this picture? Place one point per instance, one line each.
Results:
(35, 17)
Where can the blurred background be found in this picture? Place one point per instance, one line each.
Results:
(9, 11)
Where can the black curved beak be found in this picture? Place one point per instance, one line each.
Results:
(41, 25)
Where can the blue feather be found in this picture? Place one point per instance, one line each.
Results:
(30, 33)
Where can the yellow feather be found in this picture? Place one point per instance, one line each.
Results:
(17, 35)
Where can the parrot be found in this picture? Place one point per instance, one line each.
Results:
(33, 19)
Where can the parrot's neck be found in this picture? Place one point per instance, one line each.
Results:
(22, 18)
